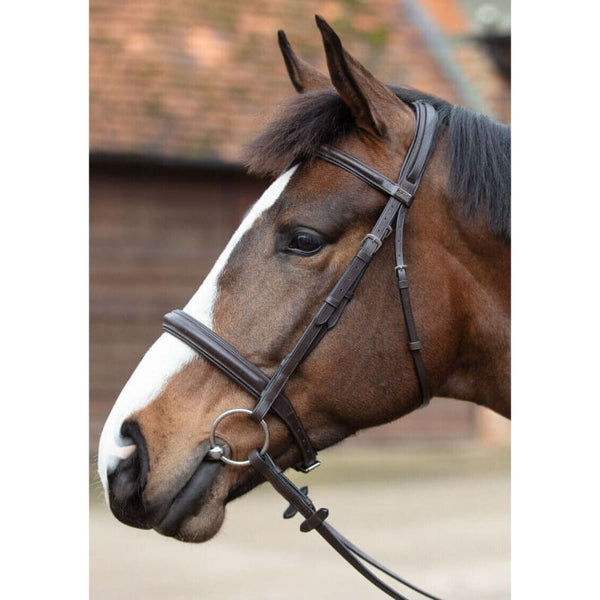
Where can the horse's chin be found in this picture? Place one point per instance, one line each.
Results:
(198, 509)
(200, 516)
(201, 527)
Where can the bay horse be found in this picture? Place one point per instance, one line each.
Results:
(158, 454)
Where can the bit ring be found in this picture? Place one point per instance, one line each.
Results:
(214, 445)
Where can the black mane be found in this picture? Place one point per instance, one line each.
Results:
(479, 148)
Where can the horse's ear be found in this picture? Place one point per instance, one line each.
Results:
(304, 77)
(372, 104)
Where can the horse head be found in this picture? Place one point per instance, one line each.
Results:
(287, 254)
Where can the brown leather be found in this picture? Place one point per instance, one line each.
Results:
(370, 176)
(414, 344)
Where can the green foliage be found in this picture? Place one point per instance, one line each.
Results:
(377, 37)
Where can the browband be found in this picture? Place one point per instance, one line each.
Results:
(374, 178)
(405, 188)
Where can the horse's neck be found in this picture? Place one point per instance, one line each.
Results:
(481, 369)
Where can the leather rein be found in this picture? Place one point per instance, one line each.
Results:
(269, 393)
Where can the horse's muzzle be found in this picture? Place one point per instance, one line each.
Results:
(192, 495)
(127, 482)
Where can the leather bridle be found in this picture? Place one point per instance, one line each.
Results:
(269, 392)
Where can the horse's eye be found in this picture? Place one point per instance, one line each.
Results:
(305, 242)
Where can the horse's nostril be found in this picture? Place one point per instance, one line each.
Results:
(130, 430)
(126, 483)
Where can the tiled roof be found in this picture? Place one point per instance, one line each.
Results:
(194, 79)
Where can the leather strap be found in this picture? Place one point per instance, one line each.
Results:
(361, 170)
(420, 148)
(330, 311)
(316, 519)
(414, 344)
(224, 356)
(411, 175)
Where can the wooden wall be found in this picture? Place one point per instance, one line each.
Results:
(154, 234)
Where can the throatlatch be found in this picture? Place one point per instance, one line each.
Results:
(269, 392)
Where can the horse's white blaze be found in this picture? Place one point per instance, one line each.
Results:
(167, 356)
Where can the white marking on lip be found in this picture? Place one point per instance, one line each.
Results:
(167, 356)
(124, 452)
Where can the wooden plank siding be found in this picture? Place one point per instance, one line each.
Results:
(154, 235)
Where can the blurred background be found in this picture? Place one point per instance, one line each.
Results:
(176, 90)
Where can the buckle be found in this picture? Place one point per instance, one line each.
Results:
(403, 196)
(375, 239)
(310, 467)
